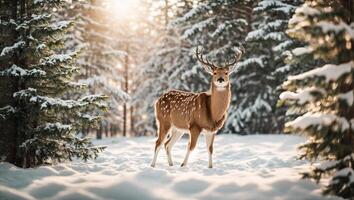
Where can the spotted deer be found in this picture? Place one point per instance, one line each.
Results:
(178, 112)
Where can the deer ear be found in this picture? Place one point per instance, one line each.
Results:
(208, 69)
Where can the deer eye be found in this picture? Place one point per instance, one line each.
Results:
(226, 73)
(214, 73)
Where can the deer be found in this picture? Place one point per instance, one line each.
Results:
(178, 112)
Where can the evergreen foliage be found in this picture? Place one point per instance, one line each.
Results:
(263, 69)
(102, 53)
(323, 97)
(46, 122)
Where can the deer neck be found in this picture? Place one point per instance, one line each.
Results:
(220, 101)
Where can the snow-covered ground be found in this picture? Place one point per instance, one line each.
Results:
(245, 167)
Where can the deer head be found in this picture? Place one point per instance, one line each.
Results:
(220, 74)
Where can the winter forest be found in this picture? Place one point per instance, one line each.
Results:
(83, 99)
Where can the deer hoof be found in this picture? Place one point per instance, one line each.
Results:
(182, 165)
(152, 165)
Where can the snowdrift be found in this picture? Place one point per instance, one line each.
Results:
(245, 167)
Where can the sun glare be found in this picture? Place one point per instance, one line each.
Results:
(124, 8)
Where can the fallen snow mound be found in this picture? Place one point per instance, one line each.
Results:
(245, 167)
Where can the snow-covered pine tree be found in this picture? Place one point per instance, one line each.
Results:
(102, 46)
(324, 97)
(44, 125)
(263, 69)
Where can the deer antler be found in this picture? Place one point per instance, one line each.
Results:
(237, 57)
(201, 59)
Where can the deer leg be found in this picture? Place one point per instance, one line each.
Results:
(163, 130)
(209, 139)
(175, 136)
(194, 134)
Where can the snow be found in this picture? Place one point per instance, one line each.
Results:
(319, 119)
(328, 27)
(14, 70)
(59, 25)
(346, 172)
(57, 58)
(329, 164)
(58, 126)
(5, 111)
(283, 45)
(348, 97)
(191, 13)
(264, 33)
(307, 10)
(331, 72)
(302, 96)
(7, 50)
(280, 6)
(301, 50)
(245, 167)
(197, 27)
(250, 61)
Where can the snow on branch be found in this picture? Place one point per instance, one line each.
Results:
(197, 27)
(347, 172)
(56, 126)
(16, 71)
(58, 25)
(283, 45)
(304, 95)
(226, 26)
(319, 119)
(11, 49)
(42, 2)
(249, 61)
(193, 12)
(279, 6)
(57, 58)
(268, 31)
(44, 102)
(35, 19)
(301, 51)
(6, 111)
(329, 27)
(330, 72)
(348, 97)
(331, 164)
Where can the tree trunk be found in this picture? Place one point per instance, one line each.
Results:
(126, 89)
(99, 132)
(106, 130)
(349, 5)
(132, 130)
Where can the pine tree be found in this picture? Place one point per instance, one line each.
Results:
(166, 60)
(102, 49)
(323, 98)
(46, 123)
(263, 69)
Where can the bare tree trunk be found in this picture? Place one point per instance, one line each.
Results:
(106, 130)
(132, 130)
(166, 13)
(126, 89)
(99, 132)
